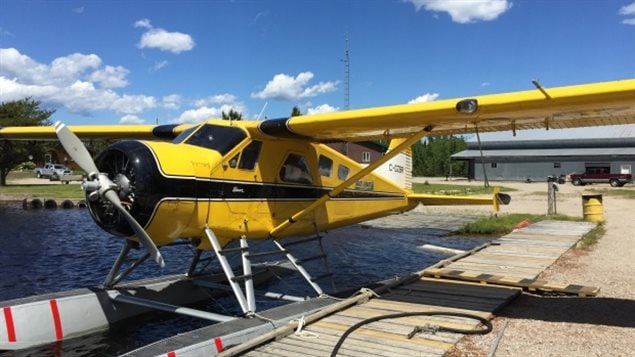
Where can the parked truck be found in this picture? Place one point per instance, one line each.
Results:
(51, 171)
(600, 175)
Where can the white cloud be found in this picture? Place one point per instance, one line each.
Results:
(160, 64)
(143, 23)
(212, 107)
(131, 119)
(224, 98)
(4, 32)
(172, 101)
(175, 42)
(464, 11)
(285, 87)
(428, 97)
(204, 113)
(628, 10)
(485, 84)
(79, 10)
(77, 82)
(110, 77)
(133, 104)
(323, 108)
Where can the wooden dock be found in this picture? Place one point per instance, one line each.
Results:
(478, 282)
(517, 259)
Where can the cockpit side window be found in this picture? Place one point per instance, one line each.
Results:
(249, 156)
(216, 137)
(296, 170)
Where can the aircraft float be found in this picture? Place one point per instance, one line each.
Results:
(222, 181)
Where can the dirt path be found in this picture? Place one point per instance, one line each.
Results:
(572, 326)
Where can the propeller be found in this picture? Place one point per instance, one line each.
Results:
(103, 185)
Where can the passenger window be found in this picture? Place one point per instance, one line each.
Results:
(250, 156)
(342, 172)
(325, 166)
(295, 169)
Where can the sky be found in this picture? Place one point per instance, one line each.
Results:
(131, 62)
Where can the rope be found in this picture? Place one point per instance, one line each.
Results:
(299, 330)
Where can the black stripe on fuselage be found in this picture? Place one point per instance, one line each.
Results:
(244, 190)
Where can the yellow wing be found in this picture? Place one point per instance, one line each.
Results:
(597, 104)
(96, 132)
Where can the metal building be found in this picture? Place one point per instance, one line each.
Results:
(536, 159)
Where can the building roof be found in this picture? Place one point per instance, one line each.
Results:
(551, 148)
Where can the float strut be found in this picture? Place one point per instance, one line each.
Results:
(117, 265)
(227, 269)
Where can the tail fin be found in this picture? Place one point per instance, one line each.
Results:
(399, 168)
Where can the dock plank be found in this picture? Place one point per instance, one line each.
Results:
(401, 306)
(416, 344)
(362, 344)
(396, 326)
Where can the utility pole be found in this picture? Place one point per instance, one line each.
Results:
(347, 82)
(347, 76)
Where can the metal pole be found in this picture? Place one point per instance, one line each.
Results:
(127, 299)
(480, 148)
(300, 269)
(118, 262)
(227, 270)
(195, 259)
(249, 281)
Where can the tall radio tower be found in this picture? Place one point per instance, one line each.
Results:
(347, 76)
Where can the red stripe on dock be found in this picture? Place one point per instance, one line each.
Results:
(57, 322)
(8, 319)
(171, 354)
(219, 344)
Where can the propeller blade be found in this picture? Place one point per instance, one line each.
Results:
(75, 148)
(145, 239)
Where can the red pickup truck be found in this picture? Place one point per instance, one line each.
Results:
(601, 175)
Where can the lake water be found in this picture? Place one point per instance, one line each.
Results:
(43, 251)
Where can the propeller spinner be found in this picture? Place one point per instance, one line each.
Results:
(100, 184)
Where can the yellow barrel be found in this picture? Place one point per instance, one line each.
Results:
(592, 208)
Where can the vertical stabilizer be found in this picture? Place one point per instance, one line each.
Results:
(399, 168)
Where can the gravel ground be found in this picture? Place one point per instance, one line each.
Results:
(572, 326)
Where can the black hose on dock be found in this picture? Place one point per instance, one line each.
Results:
(417, 329)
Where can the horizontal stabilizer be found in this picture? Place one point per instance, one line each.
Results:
(446, 200)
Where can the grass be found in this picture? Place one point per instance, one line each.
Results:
(450, 189)
(592, 237)
(58, 191)
(617, 192)
(506, 223)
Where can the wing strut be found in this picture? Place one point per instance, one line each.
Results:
(351, 180)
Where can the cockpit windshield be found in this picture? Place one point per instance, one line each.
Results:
(216, 137)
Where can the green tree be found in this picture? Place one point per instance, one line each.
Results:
(296, 112)
(432, 157)
(24, 112)
(232, 115)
